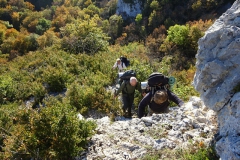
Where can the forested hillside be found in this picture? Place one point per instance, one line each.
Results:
(56, 60)
(31, 25)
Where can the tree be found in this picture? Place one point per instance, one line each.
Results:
(42, 26)
(84, 36)
(48, 39)
(186, 37)
(16, 20)
(21, 44)
(3, 3)
(17, 3)
(154, 5)
(63, 15)
(91, 10)
(39, 4)
(3, 29)
(31, 21)
(115, 27)
(154, 19)
(140, 29)
(138, 18)
(179, 35)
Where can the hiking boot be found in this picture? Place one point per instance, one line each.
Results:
(124, 111)
(126, 115)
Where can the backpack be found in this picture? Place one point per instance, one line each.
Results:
(157, 81)
(125, 61)
(126, 76)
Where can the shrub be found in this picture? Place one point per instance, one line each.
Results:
(183, 86)
(48, 39)
(55, 132)
(87, 97)
(6, 88)
(55, 79)
(179, 35)
(38, 92)
(42, 26)
(7, 44)
(196, 151)
(7, 120)
(81, 97)
(84, 36)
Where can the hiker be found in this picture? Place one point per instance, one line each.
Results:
(158, 102)
(127, 89)
(120, 65)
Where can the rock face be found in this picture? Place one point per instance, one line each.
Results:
(133, 138)
(217, 79)
(128, 10)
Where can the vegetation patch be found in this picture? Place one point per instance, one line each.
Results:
(197, 151)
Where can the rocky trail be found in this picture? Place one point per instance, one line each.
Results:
(134, 138)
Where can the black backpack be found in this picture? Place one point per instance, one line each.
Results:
(157, 79)
(127, 75)
(125, 61)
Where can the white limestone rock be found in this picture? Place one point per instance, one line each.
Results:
(132, 138)
(217, 74)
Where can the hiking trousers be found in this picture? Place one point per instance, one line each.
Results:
(127, 102)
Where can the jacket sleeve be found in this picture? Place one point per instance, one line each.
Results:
(120, 89)
(173, 97)
(142, 105)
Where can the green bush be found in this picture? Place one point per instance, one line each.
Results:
(84, 36)
(55, 79)
(179, 35)
(38, 92)
(194, 152)
(7, 44)
(81, 97)
(7, 120)
(42, 26)
(6, 88)
(85, 98)
(53, 132)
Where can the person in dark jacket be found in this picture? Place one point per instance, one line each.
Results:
(158, 102)
(127, 89)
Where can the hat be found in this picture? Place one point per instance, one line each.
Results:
(160, 96)
(118, 59)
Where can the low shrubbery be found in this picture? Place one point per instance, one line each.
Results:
(51, 132)
(62, 85)
(196, 151)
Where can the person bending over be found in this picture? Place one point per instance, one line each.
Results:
(158, 102)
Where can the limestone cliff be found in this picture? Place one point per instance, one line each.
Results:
(128, 10)
(217, 78)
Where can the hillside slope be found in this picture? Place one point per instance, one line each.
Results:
(160, 136)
